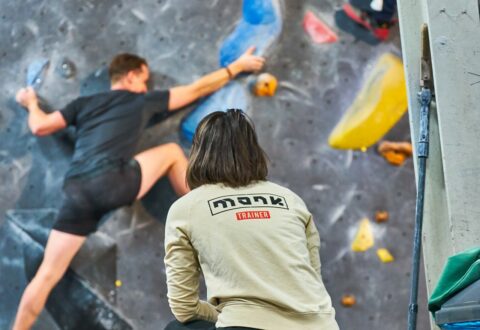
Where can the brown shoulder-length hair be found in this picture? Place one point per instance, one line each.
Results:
(225, 150)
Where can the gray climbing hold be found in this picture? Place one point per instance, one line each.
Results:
(66, 68)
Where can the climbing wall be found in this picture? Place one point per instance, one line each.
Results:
(118, 279)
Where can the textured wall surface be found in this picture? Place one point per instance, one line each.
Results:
(181, 40)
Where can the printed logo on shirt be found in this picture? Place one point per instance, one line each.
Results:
(253, 215)
(243, 201)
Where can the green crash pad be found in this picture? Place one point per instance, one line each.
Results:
(459, 271)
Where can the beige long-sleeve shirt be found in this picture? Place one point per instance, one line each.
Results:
(258, 249)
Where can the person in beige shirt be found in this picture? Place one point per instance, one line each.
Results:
(255, 242)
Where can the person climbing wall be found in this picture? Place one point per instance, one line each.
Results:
(108, 126)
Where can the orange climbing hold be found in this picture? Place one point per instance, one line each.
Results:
(395, 152)
(381, 216)
(394, 158)
(348, 300)
(317, 30)
(265, 85)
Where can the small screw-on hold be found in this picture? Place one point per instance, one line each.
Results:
(443, 10)
(464, 12)
(66, 68)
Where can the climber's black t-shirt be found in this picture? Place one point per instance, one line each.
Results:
(108, 126)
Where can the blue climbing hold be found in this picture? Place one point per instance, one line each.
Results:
(36, 71)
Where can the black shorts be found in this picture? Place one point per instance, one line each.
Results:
(89, 196)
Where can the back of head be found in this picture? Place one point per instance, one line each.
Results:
(123, 64)
(225, 150)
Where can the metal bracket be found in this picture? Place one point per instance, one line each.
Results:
(426, 72)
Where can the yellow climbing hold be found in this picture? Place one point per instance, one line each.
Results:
(379, 105)
(384, 255)
(118, 283)
(364, 238)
